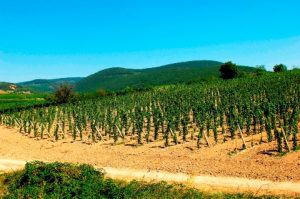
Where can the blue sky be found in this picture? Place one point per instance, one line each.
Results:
(63, 38)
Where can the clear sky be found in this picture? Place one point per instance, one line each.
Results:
(65, 38)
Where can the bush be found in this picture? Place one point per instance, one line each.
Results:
(56, 180)
(260, 70)
(64, 93)
(279, 68)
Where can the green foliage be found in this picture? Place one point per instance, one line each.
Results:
(62, 180)
(279, 136)
(56, 180)
(260, 70)
(228, 70)
(279, 68)
(102, 93)
(14, 102)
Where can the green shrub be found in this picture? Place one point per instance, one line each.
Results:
(56, 180)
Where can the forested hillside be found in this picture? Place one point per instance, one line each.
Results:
(120, 78)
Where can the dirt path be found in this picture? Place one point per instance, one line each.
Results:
(208, 183)
(11, 165)
(204, 183)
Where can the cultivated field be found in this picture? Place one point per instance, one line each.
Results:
(246, 128)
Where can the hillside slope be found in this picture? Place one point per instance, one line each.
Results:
(48, 85)
(120, 78)
(6, 87)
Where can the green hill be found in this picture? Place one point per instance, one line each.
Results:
(5, 86)
(120, 78)
(48, 85)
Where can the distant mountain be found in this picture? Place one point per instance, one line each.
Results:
(120, 78)
(48, 85)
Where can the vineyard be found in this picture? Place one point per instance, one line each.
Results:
(21, 101)
(208, 114)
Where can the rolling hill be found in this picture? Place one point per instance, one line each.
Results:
(48, 85)
(5, 86)
(120, 78)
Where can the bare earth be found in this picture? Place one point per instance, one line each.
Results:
(196, 165)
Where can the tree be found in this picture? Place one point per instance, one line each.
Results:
(279, 68)
(64, 93)
(228, 70)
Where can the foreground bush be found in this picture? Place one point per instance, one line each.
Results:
(61, 180)
(57, 180)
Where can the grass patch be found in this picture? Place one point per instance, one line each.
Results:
(21, 96)
(62, 180)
